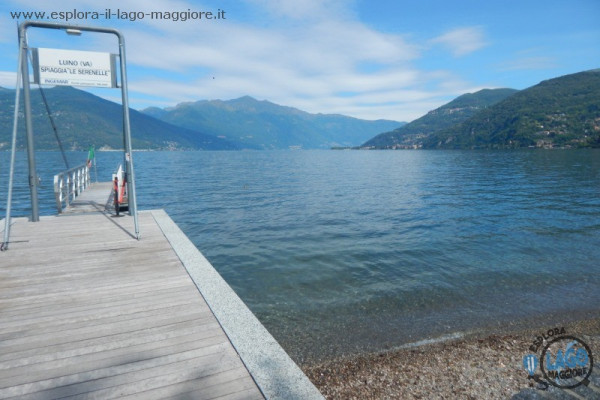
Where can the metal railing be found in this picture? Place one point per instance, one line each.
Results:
(69, 184)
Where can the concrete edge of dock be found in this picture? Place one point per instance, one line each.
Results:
(272, 369)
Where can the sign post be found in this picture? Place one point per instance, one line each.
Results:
(71, 68)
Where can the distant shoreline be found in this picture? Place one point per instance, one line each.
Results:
(7, 149)
(464, 149)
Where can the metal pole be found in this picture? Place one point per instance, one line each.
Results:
(127, 137)
(13, 152)
(95, 169)
(126, 123)
(33, 179)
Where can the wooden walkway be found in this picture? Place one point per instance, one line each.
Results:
(93, 199)
(87, 311)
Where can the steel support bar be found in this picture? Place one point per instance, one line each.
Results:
(33, 180)
(33, 177)
(127, 137)
(6, 238)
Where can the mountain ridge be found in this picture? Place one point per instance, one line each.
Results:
(559, 112)
(262, 124)
(456, 111)
(77, 114)
(562, 112)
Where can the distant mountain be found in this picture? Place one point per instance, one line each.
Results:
(458, 110)
(250, 123)
(83, 119)
(560, 112)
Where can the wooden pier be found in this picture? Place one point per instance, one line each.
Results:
(88, 311)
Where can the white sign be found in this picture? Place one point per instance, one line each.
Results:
(73, 68)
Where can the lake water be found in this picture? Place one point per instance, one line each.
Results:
(341, 252)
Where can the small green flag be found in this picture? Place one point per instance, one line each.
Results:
(90, 156)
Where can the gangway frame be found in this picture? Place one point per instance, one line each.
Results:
(23, 75)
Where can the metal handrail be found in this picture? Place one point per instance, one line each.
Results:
(69, 184)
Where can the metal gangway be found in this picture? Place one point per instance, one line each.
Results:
(71, 182)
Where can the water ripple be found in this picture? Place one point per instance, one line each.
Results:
(341, 252)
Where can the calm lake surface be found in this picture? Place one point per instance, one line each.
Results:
(341, 252)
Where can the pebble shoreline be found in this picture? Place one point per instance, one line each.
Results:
(473, 367)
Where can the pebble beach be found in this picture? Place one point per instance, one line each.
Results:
(472, 367)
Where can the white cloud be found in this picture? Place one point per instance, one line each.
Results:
(8, 79)
(462, 41)
(530, 59)
(298, 66)
(389, 96)
(314, 55)
(530, 63)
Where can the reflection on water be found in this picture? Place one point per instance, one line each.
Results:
(358, 250)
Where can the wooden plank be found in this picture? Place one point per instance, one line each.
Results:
(126, 371)
(189, 386)
(97, 345)
(73, 365)
(135, 291)
(67, 321)
(93, 199)
(88, 311)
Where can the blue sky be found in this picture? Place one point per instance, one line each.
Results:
(368, 59)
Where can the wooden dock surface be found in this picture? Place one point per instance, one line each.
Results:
(87, 311)
(93, 199)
